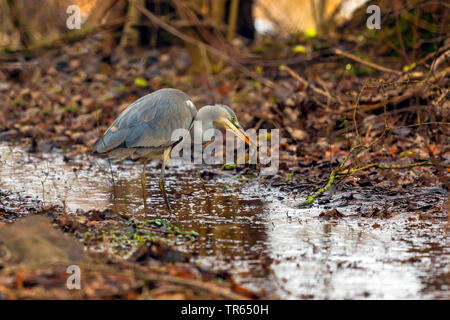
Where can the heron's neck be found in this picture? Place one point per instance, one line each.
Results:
(205, 116)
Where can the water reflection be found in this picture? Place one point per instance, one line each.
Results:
(246, 229)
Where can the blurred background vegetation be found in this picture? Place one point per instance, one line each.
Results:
(409, 27)
(300, 66)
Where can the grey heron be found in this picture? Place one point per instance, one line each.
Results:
(144, 129)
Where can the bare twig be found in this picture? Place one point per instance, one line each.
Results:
(333, 173)
(419, 86)
(356, 108)
(367, 63)
(423, 124)
(399, 32)
(331, 178)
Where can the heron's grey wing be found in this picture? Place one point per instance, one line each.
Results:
(155, 128)
(149, 121)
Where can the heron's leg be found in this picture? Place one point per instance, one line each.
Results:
(144, 185)
(161, 180)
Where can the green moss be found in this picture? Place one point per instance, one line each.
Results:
(229, 166)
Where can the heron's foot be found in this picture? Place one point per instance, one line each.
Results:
(166, 200)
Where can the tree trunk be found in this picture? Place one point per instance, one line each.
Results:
(130, 34)
(108, 11)
(199, 61)
(232, 20)
(99, 12)
(218, 11)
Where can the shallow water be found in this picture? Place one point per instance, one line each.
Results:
(254, 232)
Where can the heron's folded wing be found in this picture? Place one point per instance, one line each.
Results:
(158, 132)
(150, 121)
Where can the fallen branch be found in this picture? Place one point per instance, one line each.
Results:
(333, 173)
(313, 197)
(331, 178)
(418, 87)
(347, 172)
(367, 63)
(423, 124)
(69, 37)
(306, 83)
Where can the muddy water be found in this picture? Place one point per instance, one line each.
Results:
(254, 232)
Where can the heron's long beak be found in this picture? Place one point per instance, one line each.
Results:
(238, 130)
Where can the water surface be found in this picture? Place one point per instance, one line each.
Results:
(252, 231)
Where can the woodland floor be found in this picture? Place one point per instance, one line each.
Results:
(60, 101)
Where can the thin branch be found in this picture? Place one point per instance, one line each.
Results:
(333, 173)
(356, 108)
(410, 92)
(422, 124)
(331, 178)
(367, 63)
(399, 32)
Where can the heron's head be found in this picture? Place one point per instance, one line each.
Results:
(222, 117)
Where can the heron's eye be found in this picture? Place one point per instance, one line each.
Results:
(233, 119)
